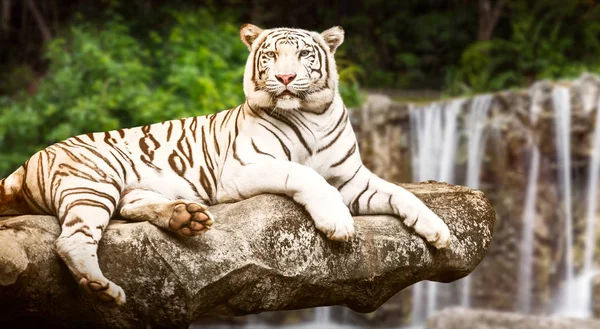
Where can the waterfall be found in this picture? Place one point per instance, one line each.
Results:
(575, 297)
(528, 219)
(479, 109)
(562, 109)
(592, 197)
(322, 315)
(434, 142)
(525, 275)
(425, 125)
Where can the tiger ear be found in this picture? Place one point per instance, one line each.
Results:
(333, 37)
(249, 33)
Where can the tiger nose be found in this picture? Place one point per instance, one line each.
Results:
(285, 78)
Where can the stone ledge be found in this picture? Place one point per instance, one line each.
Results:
(262, 254)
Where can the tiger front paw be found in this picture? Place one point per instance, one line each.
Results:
(335, 221)
(428, 225)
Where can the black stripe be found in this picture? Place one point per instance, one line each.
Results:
(283, 147)
(355, 204)
(302, 123)
(193, 127)
(334, 139)
(128, 159)
(235, 155)
(174, 160)
(259, 151)
(169, 130)
(351, 178)
(348, 154)
(86, 190)
(237, 117)
(229, 112)
(369, 200)
(295, 129)
(206, 183)
(40, 179)
(208, 158)
(85, 230)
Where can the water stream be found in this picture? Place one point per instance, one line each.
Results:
(476, 135)
(562, 109)
(435, 139)
(575, 296)
(592, 198)
(527, 236)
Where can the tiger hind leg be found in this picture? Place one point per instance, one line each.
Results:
(84, 222)
(187, 218)
(12, 202)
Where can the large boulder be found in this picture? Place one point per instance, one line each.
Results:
(262, 254)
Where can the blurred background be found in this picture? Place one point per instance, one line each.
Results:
(499, 95)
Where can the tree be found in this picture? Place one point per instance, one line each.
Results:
(488, 13)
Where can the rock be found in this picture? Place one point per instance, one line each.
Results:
(526, 276)
(596, 296)
(462, 318)
(381, 128)
(263, 254)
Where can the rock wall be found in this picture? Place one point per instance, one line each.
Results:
(519, 121)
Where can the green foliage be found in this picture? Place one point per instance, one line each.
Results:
(405, 44)
(349, 76)
(102, 77)
(547, 40)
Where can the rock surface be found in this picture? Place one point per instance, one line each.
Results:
(520, 123)
(263, 254)
(462, 318)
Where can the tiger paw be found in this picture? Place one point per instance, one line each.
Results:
(429, 226)
(336, 222)
(104, 290)
(190, 219)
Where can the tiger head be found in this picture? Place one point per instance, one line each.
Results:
(291, 68)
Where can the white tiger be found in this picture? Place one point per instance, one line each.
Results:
(291, 136)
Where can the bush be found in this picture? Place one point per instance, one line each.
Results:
(103, 78)
(547, 39)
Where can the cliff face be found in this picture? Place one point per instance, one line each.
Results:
(536, 143)
(262, 254)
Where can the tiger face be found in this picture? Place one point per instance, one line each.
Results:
(291, 69)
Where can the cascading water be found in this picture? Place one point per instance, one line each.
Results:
(476, 134)
(434, 133)
(562, 109)
(528, 218)
(526, 259)
(575, 298)
(426, 137)
(592, 198)
(322, 315)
